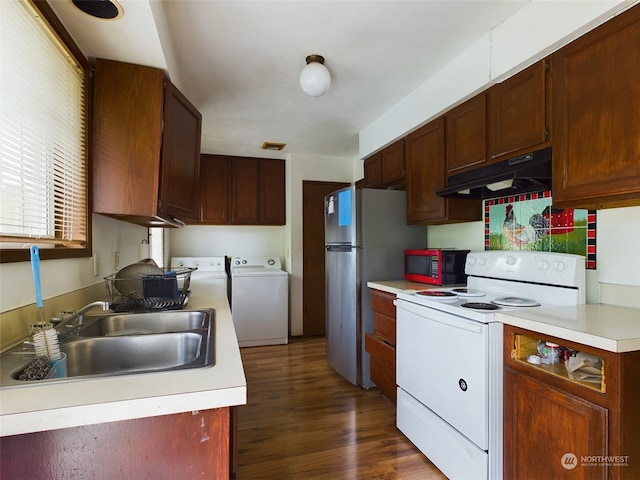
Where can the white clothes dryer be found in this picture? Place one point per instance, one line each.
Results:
(259, 300)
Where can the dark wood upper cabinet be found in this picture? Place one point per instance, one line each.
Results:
(214, 189)
(426, 174)
(272, 192)
(386, 168)
(372, 172)
(596, 116)
(180, 156)
(145, 146)
(466, 134)
(392, 164)
(245, 193)
(242, 191)
(518, 112)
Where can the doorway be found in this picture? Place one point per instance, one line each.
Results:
(313, 287)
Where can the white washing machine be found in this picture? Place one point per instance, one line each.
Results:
(208, 282)
(259, 301)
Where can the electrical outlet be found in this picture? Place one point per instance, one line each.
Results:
(96, 265)
(117, 260)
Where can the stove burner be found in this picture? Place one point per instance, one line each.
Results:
(480, 306)
(442, 295)
(515, 302)
(436, 293)
(468, 292)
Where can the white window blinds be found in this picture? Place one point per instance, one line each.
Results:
(43, 172)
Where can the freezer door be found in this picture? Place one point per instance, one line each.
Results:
(340, 216)
(343, 333)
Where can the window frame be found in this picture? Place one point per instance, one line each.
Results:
(22, 254)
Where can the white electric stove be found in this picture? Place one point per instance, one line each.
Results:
(449, 354)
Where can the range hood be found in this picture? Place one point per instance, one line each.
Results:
(526, 173)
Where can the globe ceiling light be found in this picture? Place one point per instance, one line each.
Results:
(315, 79)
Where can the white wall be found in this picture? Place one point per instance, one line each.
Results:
(64, 276)
(209, 241)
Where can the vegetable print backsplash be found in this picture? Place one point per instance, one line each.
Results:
(529, 222)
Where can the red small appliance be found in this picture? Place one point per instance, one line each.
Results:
(435, 266)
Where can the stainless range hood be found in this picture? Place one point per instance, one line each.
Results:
(526, 173)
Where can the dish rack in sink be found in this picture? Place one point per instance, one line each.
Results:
(165, 291)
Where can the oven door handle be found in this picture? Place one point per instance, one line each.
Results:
(447, 319)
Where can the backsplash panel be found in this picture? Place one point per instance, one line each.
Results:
(529, 222)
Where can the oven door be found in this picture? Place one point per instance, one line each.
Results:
(443, 362)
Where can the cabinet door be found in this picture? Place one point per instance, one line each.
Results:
(372, 173)
(126, 138)
(425, 172)
(179, 193)
(425, 163)
(516, 112)
(214, 188)
(392, 164)
(596, 113)
(245, 194)
(466, 132)
(544, 426)
(272, 186)
(383, 365)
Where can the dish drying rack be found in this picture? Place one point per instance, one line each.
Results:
(166, 291)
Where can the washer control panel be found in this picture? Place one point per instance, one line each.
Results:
(270, 262)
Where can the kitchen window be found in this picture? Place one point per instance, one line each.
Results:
(43, 136)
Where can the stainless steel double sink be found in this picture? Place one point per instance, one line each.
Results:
(124, 343)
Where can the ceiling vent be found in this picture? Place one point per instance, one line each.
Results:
(275, 146)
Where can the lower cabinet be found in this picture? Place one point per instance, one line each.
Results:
(556, 426)
(187, 445)
(381, 345)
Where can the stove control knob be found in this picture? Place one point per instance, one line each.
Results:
(511, 260)
(544, 265)
(560, 266)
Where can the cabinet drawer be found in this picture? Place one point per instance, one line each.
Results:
(382, 302)
(385, 327)
(383, 365)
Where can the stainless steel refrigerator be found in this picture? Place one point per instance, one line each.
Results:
(365, 236)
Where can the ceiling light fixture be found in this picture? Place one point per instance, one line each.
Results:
(104, 9)
(315, 78)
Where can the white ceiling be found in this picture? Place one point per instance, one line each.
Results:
(239, 61)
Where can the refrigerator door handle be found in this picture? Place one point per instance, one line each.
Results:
(341, 248)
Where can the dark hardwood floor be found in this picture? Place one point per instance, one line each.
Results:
(304, 421)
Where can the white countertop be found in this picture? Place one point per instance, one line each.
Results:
(398, 286)
(607, 327)
(612, 328)
(71, 403)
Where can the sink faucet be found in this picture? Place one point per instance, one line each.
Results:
(77, 317)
